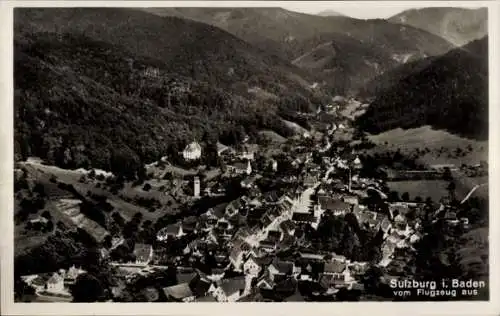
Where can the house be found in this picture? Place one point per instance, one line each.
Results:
(172, 230)
(38, 221)
(279, 270)
(386, 225)
(372, 220)
(351, 199)
(336, 207)
(310, 181)
(311, 257)
(221, 148)
(216, 274)
(357, 163)
(71, 275)
(334, 267)
(286, 287)
(267, 246)
(240, 168)
(248, 151)
(56, 283)
(248, 182)
(200, 285)
(214, 214)
(206, 299)
(143, 253)
(338, 271)
(37, 281)
(272, 197)
(230, 290)
(303, 218)
(236, 256)
(192, 151)
(398, 208)
(415, 238)
(243, 232)
(451, 218)
(274, 165)
(254, 265)
(233, 207)
(400, 222)
(287, 227)
(358, 268)
(328, 281)
(274, 236)
(190, 224)
(179, 293)
(184, 276)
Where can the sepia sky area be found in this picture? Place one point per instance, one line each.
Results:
(354, 10)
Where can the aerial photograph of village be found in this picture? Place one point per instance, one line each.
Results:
(250, 154)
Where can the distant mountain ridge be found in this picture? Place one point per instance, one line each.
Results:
(291, 35)
(330, 13)
(448, 92)
(457, 25)
(201, 51)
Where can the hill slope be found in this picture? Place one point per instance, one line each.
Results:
(84, 100)
(457, 25)
(330, 13)
(292, 35)
(392, 77)
(451, 93)
(188, 48)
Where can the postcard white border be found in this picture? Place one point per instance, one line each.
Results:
(8, 307)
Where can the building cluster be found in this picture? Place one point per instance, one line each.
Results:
(56, 284)
(256, 245)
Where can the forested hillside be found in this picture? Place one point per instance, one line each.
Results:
(451, 93)
(81, 102)
(457, 25)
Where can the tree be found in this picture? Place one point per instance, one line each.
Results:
(21, 289)
(372, 279)
(47, 215)
(393, 196)
(428, 201)
(39, 189)
(87, 289)
(451, 189)
(447, 176)
(146, 187)
(405, 196)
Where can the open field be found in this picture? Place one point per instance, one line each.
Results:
(273, 136)
(437, 188)
(425, 137)
(434, 189)
(43, 174)
(296, 128)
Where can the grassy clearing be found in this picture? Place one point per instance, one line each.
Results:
(425, 137)
(273, 136)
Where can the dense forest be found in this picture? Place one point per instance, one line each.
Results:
(81, 102)
(451, 93)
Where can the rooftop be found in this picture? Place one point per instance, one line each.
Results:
(179, 291)
(303, 217)
(232, 285)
